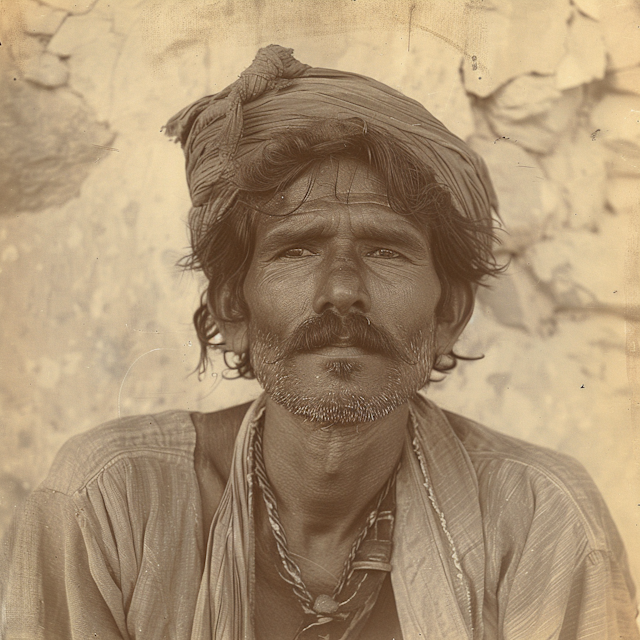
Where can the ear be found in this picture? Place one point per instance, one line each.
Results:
(230, 321)
(454, 316)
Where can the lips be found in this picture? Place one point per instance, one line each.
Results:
(345, 344)
(347, 341)
(341, 353)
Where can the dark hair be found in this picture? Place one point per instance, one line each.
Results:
(222, 245)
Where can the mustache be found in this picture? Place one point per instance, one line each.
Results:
(355, 330)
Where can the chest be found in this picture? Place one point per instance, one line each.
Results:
(279, 612)
(279, 615)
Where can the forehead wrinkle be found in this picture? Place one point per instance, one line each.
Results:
(323, 202)
(333, 178)
(278, 228)
(319, 221)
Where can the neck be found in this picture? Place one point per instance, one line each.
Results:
(326, 476)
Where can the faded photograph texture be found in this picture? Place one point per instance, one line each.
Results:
(96, 318)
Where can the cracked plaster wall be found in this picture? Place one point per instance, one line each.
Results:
(95, 319)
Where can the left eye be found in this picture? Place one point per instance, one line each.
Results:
(296, 252)
(383, 253)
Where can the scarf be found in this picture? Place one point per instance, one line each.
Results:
(438, 558)
(222, 133)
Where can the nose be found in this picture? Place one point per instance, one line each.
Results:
(342, 287)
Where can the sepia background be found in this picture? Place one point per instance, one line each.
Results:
(96, 319)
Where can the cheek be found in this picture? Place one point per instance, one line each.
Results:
(275, 302)
(410, 303)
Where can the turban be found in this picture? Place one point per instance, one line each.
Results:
(222, 133)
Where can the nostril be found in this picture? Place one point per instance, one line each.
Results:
(343, 289)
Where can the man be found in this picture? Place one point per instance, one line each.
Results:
(343, 232)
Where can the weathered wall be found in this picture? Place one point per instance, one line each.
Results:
(96, 318)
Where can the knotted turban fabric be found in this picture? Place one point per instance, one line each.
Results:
(224, 132)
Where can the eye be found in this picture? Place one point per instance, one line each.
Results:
(384, 253)
(296, 252)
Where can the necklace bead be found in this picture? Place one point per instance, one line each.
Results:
(325, 605)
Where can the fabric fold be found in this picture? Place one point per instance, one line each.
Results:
(438, 559)
(224, 608)
(223, 134)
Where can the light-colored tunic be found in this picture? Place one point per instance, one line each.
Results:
(112, 545)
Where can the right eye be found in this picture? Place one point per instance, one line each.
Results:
(296, 252)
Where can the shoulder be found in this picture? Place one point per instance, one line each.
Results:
(168, 437)
(483, 443)
(523, 481)
(215, 438)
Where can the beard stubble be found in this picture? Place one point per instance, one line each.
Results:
(407, 366)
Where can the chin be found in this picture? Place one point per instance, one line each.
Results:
(343, 370)
(340, 390)
(340, 407)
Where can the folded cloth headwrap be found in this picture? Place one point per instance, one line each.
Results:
(225, 132)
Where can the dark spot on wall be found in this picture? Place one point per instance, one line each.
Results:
(25, 439)
(48, 144)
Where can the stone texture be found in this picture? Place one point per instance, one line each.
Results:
(541, 132)
(438, 87)
(578, 168)
(567, 266)
(627, 80)
(500, 388)
(590, 8)
(78, 32)
(623, 194)
(518, 300)
(518, 38)
(620, 26)
(47, 70)
(616, 119)
(50, 144)
(24, 49)
(93, 49)
(527, 199)
(585, 59)
(71, 6)
(163, 85)
(91, 72)
(40, 18)
(524, 97)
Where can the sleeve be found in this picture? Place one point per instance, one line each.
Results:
(599, 603)
(569, 578)
(49, 586)
(588, 599)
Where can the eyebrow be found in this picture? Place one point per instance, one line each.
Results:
(291, 234)
(416, 241)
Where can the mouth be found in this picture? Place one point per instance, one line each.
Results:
(344, 349)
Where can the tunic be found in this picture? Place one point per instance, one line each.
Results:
(112, 544)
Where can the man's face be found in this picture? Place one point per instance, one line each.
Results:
(341, 293)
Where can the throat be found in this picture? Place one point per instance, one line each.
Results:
(322, 490)
(307, 578)
(324, 476)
